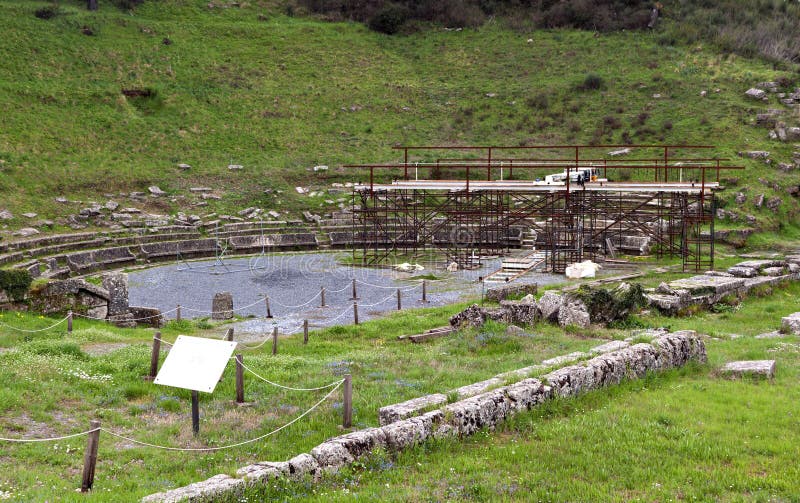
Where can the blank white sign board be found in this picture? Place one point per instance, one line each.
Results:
(195, 363)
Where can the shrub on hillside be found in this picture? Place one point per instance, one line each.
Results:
(48, 12)
(389, 19)
(591, 82)
(15, 282)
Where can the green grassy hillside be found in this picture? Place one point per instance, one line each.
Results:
(249, 85)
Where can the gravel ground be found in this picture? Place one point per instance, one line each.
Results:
(293, 283)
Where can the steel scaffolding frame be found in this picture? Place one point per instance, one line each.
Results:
(465, 218)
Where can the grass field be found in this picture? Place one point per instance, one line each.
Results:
(55, 383)
(686, 435)
(281, 94)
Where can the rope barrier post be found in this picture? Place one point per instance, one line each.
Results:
(195, 412)
(69, 322)
(275, 340)
(355, 293)
(399, 305)
(322, 298)
(355, 313)
(305, 331)
(178, 313)
(424, 291)
(239, 379)
(347, 420)
(90, 457)
(266, 301)
(154, 357)
(229, 335)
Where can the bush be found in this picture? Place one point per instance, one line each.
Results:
(15, 282)
(48, 12)
(592, 82)
(389, 19)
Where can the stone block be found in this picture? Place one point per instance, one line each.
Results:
(222, 306)
(117, 286)
(331, 456)
(395, 412)
(760, 368)
(549, 305)
(207, 490)
(302, 465)
(791, 324)
(264, 471)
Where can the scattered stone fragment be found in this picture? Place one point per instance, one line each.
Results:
(30, 215)
(760, 368)
(26, 231)
(770, 335)
(755, 154)
(235, 167)
(155, 190)
(184, 166)
(755, 93)
(6, 215)
(791, 324)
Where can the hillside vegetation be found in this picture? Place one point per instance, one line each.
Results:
(214, 83)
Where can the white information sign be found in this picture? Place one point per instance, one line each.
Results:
(195, 363)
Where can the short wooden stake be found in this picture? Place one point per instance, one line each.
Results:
(355, 313)
(178, 313)
(195, 412)
(305, 331)
(399, 304)
(269, 311)
(229, 335)
(347, 421)
(322, 297)
(275, 340)
(69, 322)
(154, 357)
(90, 457)
(424, 291)
(239, 379)
(355, 293)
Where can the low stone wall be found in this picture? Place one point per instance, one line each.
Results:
(503, 292)
(705, 290)
(462, 418)
(190, 248)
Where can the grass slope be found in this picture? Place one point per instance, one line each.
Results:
(280, 94)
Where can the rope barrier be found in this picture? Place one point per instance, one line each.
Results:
(134, 319)
(309, 301)
(51, 439)
(289, 387)
(403, 288)
(34, 331)
(211, 449)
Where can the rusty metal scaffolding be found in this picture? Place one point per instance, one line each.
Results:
(466, 218)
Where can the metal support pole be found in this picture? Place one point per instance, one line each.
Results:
(178, 313)
(347, 420)
(322, 297)
(69, 322)
(90, 457)
(275, 340)
(399, 305)
(269, 311)
(305, 331)
(195, 412)
(355, 313)
(424, 290)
